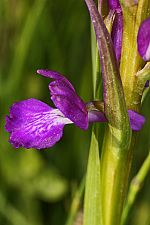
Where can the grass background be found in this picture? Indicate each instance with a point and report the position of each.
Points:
(37, 187)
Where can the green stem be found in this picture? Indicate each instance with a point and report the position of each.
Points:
(76, 203)
(133, 16)
(116, 158)
(115, 166)
(22, 47)
(135, 187)
(96, 75)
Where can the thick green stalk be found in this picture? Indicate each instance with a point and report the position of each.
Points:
(114, 162)
(115, 170)
(131, 62)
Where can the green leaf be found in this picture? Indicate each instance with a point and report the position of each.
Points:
(135, 186)
(141, 77)
(77, 199)
(92, 202)
(97, 76)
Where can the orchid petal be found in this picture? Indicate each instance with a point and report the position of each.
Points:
(114, 4)
(96, 116)
(66, 99)
(54, 75)
(147, 84)
(143, 40)
(116, 34)
(136, 120)
(33, 124)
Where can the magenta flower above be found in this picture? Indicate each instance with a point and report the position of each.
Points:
(34, 124)
(143, 40)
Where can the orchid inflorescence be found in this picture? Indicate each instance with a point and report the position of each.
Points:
(34, 124)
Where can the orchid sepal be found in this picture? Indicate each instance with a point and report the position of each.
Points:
(96, 114)
(113, 91)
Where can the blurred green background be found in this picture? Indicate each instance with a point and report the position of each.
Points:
(37, 187)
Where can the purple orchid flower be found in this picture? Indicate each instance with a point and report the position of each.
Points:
(34, 124)
(143, 40)
(117, 28)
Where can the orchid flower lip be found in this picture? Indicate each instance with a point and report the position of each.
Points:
(34, 124)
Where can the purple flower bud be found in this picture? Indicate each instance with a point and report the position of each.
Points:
(147, 84)
(117, 28)
(143, 40)
(114, 4)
